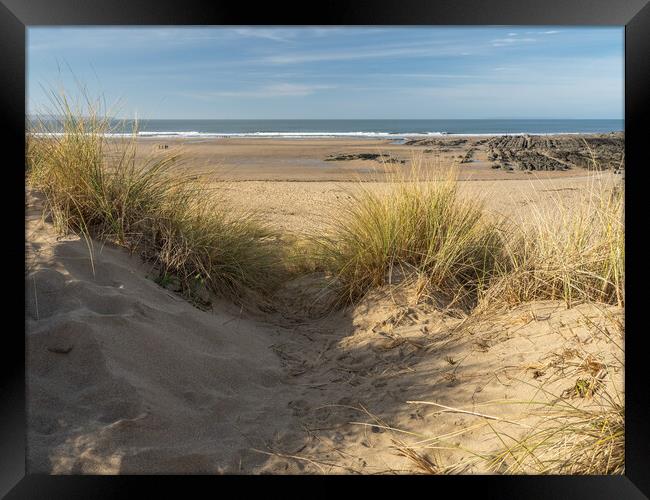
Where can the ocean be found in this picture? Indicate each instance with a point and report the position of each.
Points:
(360, 128)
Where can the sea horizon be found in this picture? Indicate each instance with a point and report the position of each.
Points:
(351, 128)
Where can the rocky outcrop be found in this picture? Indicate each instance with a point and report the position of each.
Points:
(436, 142)
(365, 156)
(535, 152)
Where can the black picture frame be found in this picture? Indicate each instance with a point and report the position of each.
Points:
(17, 15)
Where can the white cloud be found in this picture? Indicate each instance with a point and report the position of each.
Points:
(441, 49)
(268, 34)
(503, 42)
(274, 90)
(429, 75)
(550, 32)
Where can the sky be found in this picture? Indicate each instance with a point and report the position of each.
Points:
(514, 72)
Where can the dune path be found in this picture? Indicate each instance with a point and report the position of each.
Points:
(125, 376)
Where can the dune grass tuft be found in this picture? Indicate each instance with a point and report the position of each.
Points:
(413, 231)
(95, 185)
(571, 250)
(569, 439)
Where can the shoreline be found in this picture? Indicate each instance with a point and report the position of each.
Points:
(372, 159)
(354, 159)
(182, 135)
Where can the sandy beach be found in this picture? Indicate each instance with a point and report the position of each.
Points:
(251, 159)
(126, 376)
(289, 181)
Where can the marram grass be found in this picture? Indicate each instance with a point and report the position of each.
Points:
(97, 187)
(428, 232)
(413, 231)
(570, 251)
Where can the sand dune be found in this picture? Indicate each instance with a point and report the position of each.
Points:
(125, 376)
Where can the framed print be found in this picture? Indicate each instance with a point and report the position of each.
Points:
(383, 241)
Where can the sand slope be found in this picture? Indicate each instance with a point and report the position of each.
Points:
(126, 377)
(367, 365)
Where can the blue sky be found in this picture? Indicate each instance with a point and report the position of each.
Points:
(337, 73)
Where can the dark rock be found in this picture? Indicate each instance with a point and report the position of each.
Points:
(364, 156)
(561, 152)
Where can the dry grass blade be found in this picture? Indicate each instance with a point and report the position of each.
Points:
(467, 412)
(589, 440)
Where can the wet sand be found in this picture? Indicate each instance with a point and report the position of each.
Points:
(305, 159)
